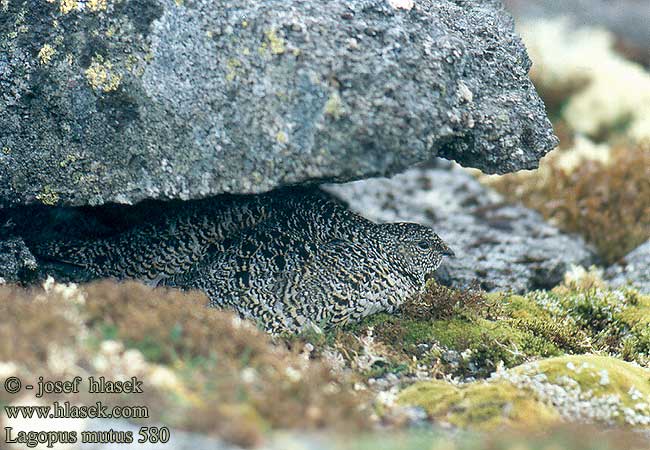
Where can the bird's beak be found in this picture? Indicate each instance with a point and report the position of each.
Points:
(446, 251)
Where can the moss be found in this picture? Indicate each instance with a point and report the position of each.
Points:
(26, 333)
(615, 321)
(491, 342)
(609, 390)
(541, 394)
(589, 371)
(445, 332)
(207, 370)
(482, 330)
(440, 302)
(173, 328)
(608, 203)
(635, 344)
(483, 406)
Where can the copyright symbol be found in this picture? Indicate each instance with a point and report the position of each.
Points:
(13, 385)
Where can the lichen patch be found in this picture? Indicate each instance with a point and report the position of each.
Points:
(45, 54)
(67, 6)
(101, 75)
(274, 43)
(48, 196)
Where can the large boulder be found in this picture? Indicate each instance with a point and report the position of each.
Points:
(106, 101)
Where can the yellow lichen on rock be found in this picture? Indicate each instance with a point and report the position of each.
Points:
(233, 67)
(275, 43)
(96, 5)
(100, 75)
(281, 137)
(48, 196)
(45, 54)
(68, 5)
(334, 106)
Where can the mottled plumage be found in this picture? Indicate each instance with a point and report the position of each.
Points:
(287, 260)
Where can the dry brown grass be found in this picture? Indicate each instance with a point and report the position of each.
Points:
(440, 302)
(609, 204)
(209, 351)
(31, 321)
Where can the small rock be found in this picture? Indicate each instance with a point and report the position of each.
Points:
(633, 270)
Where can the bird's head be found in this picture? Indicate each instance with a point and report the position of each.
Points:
(418, 247)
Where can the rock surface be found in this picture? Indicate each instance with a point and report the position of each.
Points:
(634, 270)
(503, 247)
(122, 101)
(17, 264)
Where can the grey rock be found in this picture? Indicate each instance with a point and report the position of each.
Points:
(17, 264)
(165, 99)
(633, 270)
(628, 19)
(500, 246)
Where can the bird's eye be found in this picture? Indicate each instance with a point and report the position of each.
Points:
(424, 245)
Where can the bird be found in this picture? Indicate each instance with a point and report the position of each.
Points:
(289, 282)
(169, 242)
(288, 260)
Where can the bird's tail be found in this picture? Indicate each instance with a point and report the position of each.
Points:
(72, 259)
